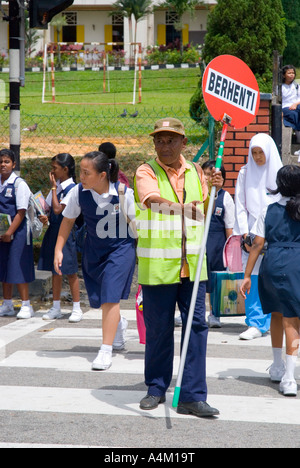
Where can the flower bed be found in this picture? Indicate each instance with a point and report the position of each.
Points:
(73, 56)
(171, 54)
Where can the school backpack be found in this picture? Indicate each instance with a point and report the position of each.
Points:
(232, 254)
(34, 225)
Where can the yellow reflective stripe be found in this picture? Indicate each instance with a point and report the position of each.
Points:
(193, 223)
(159, 225)
(193, 249)
(159, 253)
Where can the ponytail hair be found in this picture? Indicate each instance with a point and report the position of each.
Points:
(66, 160)
(103, 164)
(293, 207)
(288, 185)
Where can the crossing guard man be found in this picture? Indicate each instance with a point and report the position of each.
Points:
(170, 193)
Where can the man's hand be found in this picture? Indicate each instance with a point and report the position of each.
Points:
(192, 211)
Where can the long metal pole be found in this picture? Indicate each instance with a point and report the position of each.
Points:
(14, 80)
(198, 273)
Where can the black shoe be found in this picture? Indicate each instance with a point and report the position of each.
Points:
(151, 402)
(198, 408)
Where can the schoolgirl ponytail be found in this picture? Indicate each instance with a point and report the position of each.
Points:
(113, 170)
(66, 160)
(293, 207)
(288, 185)
(103, 164)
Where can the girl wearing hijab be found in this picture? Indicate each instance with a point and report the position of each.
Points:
(252, 195)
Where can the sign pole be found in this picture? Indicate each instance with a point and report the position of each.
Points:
(14, 79)
(231, 95)
(226, 121)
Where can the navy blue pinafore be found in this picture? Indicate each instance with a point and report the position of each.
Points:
(109, 258)
(16, 257)
(279, 274)
(216, 239)
(69, 264)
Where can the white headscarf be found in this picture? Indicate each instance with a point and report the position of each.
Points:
(259, 179)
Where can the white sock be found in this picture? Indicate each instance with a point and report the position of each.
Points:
(8, 302)
(56, 305)
(25, 303)
(76, 306)
(290, 367)
(106, 348)
(277, 356)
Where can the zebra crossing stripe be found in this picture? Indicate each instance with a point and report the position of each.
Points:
(132, 363)
(126, 403)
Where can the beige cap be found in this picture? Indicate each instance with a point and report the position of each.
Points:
(168, 125)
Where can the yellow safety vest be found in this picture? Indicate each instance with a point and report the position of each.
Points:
(160, 236)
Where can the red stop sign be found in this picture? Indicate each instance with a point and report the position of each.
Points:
(230, 87)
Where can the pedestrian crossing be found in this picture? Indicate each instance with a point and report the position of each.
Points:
(65, 349)
(125, 403)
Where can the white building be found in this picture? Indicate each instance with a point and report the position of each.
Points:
(91, 21)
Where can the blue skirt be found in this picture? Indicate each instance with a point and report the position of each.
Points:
(16, 259)
(278, 282)
(69, 264)
(108, 276)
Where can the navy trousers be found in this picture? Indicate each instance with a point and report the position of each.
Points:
(159, 310)
(291, 118)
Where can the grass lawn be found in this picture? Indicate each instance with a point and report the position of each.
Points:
(160, 88)
(81, 128)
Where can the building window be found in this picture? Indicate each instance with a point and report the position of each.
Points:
(71, 18)
(118, 30)
(172, 34)
(171, 18)
(69, 31)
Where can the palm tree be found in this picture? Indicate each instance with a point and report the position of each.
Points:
(141, 9)
(180, 7)
(124, 8)
(31, 37)
(132, 8)
(59, 22)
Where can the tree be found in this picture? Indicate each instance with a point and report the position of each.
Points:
(132, 8)
(248, 29)
(181, 7)
(141, 8)
(59, 22)
(291, 54)
(31, 37)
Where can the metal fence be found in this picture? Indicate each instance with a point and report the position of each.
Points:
(78, 133)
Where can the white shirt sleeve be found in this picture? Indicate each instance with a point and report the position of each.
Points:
(229, 217)
(22, 196)
(258, 229)
(72, 209)
(241, 214)
(129, 204)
